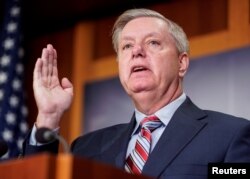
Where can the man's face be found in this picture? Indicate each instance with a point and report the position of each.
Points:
(147, 56)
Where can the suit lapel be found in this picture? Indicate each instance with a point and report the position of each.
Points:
(183, 127)
(116, 153)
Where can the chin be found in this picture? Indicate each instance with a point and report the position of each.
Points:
(140, 88)
(141, 85)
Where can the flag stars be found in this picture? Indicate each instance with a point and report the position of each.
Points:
(3, 77)
(23, 127)
(15, 11)
(1, 94)
(14, 101)
(11, 118)
(5, 60)
(7, 135)
(20, 143)
(20, 52)
(19, 68)
(16, 84)
(24, 111)
(13, 112)
(8, 44)
(11, 27)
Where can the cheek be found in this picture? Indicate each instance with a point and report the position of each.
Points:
(166, 69)
(123, 76)
(123, 71)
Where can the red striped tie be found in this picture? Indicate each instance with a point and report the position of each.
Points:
(139, 155)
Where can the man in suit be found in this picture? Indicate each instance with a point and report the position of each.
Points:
(168, 136)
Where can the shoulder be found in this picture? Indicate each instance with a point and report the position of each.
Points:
(92, 140)
(219, 117)
(217, 122)
(225, 124)
(111, 131)
(115, 129)
(213, 117)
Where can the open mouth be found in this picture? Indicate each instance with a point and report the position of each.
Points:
(138, 69)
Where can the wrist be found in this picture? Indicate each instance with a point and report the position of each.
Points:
(47, 120)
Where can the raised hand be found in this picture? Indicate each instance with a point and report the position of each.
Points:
(52, 97)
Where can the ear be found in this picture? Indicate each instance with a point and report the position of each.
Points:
(184, 63)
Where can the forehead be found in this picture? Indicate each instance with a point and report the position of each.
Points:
(144, 25)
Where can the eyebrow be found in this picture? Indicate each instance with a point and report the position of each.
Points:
(151, 34)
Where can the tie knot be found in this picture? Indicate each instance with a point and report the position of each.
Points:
(151, 123)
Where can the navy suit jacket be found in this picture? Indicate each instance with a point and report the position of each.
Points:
(192, 139)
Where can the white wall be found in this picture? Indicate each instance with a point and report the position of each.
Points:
(221, 82)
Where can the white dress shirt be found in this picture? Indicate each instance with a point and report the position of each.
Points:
(164, 114)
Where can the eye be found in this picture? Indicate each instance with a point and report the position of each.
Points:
(154, 43)
(126, 46)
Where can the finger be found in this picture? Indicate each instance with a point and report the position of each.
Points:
(50, 61)
(55, 69)
(44, 58)
(37, 70)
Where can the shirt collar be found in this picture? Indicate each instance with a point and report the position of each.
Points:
(164, 114)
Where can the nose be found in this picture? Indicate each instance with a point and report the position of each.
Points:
(138, 51)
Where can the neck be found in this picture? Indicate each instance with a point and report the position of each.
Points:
(150, 102)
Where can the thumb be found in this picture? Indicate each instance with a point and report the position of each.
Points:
(67, 86)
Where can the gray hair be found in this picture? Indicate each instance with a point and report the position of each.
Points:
(174, 29)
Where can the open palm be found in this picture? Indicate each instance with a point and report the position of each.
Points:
(52, 97)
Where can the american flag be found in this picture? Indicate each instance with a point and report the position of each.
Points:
(13, 112)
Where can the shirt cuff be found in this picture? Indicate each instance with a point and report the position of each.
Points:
(33, 141)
